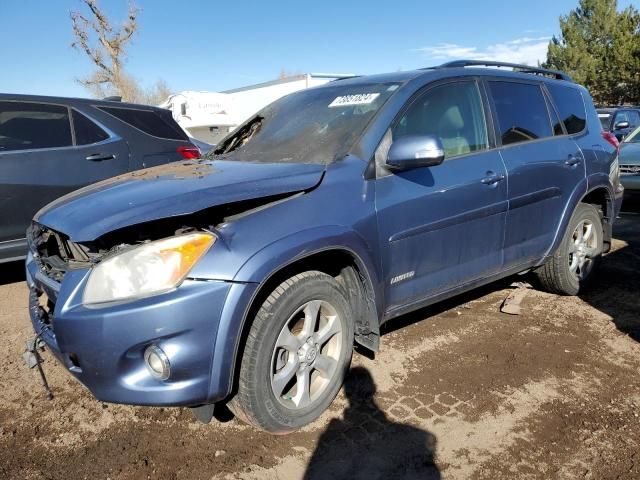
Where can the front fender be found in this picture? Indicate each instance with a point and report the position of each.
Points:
(258, 269)
(301, 244)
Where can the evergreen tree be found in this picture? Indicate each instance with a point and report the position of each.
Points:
(600, 47)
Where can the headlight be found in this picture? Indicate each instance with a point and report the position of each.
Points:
(148, 269)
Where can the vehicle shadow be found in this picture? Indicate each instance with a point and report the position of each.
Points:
(615, 289)
(12, 272)
(366, 444)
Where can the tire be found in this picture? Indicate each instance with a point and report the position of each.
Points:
(301, 335)
(563, 273)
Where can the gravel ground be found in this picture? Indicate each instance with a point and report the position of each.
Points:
(458, 390)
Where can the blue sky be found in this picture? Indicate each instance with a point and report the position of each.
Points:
(216, 45)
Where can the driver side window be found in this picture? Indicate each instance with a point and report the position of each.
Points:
(453, 112)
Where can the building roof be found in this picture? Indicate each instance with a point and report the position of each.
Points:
(293, 78)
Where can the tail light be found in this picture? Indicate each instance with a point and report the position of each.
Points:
(614, 170)
(189, 151)
(611, 138)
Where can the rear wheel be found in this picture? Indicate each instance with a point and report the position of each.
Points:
(297, 352)
(573, 263)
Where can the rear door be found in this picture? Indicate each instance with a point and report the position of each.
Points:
(47, 150)
(544, 167)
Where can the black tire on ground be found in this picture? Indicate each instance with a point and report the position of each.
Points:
(256, 402)
(555, 274)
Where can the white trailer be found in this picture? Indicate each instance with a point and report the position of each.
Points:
(210, 116)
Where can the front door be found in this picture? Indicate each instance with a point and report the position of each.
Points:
(443, 226)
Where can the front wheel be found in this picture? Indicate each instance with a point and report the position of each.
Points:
(573, 263)
(296, 355)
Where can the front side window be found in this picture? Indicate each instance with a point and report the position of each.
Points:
(570, 105)
(634, 118)
(26, 126)
(521, 110)
(453, 112)
(631, 116)
(621, 117)
(86, 131)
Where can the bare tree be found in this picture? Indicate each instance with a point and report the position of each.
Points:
(288, 73)
(106, 46)
(157, 93)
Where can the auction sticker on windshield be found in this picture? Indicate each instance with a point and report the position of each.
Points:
(356, 99)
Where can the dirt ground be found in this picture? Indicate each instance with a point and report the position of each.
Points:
(457, 391)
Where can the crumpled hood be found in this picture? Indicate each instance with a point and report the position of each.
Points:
(630, 153)
(170, 190)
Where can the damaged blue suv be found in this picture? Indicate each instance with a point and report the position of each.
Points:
(245, 278)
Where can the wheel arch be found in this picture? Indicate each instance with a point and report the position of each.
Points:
(602, 198)
(349, 260)
(339, 262)
(594, 193)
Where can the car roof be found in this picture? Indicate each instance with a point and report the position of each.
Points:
(436, 73)
(72, 101)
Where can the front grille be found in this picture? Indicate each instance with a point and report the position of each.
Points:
(42, 307)
(630, 169)
(54, 253)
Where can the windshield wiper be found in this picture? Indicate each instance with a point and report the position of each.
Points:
(241, 137)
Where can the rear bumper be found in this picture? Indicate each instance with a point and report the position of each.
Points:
(104, 347)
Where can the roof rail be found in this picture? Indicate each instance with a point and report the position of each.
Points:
(345, 77)
(521, 68)
(113, 98)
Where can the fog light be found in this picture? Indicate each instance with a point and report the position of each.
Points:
(157, 362)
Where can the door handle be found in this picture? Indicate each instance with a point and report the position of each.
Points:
(573, 160)
(98, 157)
(492, 178)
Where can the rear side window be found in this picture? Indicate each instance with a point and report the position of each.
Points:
(25, 126)
(148, 121)
(522, 112)
(570, 106)
(87, 132)
(453, 112)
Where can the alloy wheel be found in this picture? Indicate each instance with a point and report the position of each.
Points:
(583, 249)
(306, 354)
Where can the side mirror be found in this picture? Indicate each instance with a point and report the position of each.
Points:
(415, 151)
(621, 125)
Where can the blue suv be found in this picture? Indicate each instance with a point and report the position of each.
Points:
(246, 277)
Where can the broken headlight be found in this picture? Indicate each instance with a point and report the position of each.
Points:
(149, 269)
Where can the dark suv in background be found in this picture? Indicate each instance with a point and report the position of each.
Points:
(620, 121)
(51, 146)
(245, 277)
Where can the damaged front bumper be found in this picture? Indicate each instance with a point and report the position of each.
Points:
(104, 347)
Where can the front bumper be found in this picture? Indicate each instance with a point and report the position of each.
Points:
(630, 182)
(104, 347)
